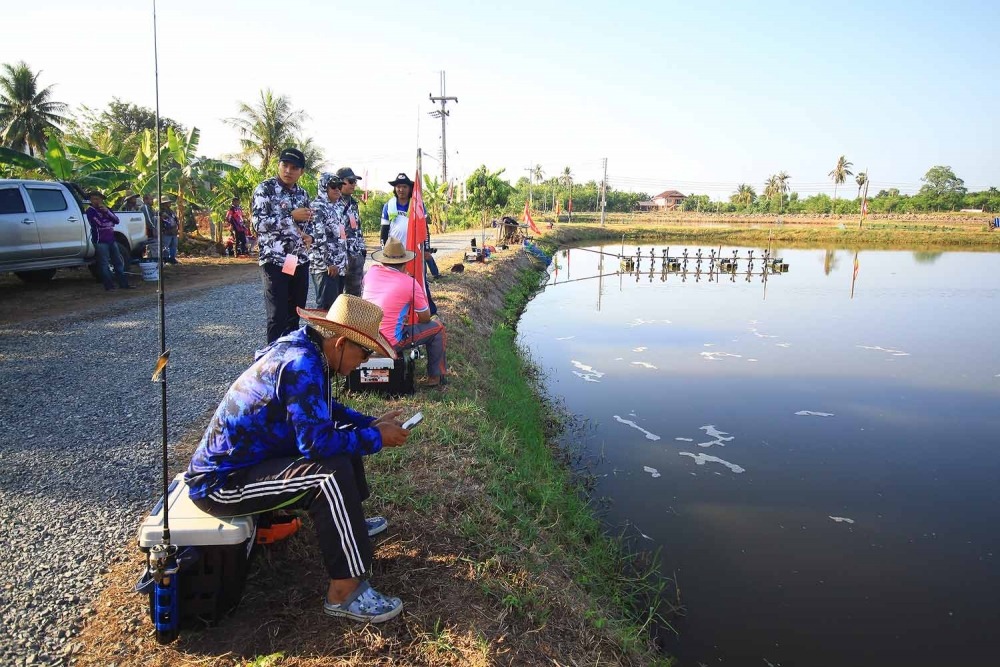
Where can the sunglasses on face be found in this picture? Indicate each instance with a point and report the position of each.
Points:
(367, 353)
(334, 186)
(352, 181)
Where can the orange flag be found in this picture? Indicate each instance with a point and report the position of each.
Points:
(528, 219)
(416, 233)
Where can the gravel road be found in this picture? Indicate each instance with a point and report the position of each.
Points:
(80, 446)
(80, 443)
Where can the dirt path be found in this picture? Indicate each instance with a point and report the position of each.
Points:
(75, 293)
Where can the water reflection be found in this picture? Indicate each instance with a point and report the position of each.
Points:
(814, 449)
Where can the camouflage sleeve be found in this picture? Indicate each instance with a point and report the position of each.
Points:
(318, 433)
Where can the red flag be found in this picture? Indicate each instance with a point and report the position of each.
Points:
(570, 206)
(527, 219)
(558, 206)
(856, 267)
(416, 233)
(864, 208)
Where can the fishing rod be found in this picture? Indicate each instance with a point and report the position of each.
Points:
(163, 566)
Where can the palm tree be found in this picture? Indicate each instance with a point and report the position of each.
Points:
(839, 175)
(266, 127)
(744, 195)
(27, 114)
(861, 179)
(315, 158)
(567, 179)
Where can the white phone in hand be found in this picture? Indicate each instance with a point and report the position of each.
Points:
(413, 421)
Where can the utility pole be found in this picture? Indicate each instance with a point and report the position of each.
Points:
(604, 192)
(531, 178)
(443, 115)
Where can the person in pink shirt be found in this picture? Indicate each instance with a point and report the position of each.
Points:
(388, 286)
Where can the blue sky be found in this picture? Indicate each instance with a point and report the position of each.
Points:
(676, 95)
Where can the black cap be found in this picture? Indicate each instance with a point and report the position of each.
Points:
(293, 156)
(401, 179)
(347, 174)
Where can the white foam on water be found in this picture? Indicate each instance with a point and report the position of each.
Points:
(783, 344)
(566, 338)
(684, 439)
(641, 348)
(619, 358)
(649, 436)
(639, 322)
(709, 345)
(758, 334)
(810, 413)
(879, 348)
(702, 459)
(751, 360)
(718, 437)
(717, 356)
(590, 374)
(842, 519)
(652, 471)
(644, 364)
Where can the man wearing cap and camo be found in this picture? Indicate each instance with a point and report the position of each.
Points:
(280, 439)
(281, 215)
(356, 250)
(328, 254)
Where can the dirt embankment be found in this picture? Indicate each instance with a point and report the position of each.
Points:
(474, 594)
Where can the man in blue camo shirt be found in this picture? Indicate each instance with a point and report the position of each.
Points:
(279, 439)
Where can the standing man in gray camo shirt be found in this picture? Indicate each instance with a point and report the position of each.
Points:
(356, 250)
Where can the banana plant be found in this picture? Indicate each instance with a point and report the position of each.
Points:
(84, 166)
(435, 199)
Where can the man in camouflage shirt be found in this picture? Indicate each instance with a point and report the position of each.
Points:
(281, 214)
(356, 250)
(328, 255)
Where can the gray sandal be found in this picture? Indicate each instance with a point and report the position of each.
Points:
(365, 604)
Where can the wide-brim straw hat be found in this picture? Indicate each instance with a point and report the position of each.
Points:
(353, 317)
(393, 253)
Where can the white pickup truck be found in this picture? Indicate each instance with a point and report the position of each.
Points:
(43, 228)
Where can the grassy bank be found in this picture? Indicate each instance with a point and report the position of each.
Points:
(491, 546)
(909, 235)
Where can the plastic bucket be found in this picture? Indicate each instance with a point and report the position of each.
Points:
(150, 271)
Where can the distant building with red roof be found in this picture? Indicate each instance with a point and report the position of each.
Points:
(668, 200)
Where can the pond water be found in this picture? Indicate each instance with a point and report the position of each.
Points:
(821, 469)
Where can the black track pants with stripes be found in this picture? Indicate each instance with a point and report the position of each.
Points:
(331, 489)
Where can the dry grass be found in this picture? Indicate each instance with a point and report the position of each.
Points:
(474, 594)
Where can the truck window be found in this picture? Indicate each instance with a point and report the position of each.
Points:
(11, 202)
(46, 199)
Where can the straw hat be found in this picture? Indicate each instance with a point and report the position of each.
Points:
(393, 253)
(353, 317)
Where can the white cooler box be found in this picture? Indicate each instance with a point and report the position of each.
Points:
(213, 553)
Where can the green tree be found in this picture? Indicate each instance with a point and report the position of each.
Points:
(27, 115)
(118, 128)
(266, 127)
(942, 189)
(487, 192)
(744, 195)
(839, 175)
(188, 176)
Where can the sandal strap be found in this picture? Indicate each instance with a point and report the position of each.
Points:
(358, 592)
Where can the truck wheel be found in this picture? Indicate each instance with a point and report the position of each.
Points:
(39, 276)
